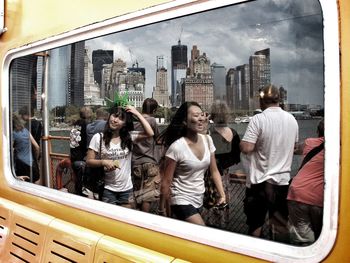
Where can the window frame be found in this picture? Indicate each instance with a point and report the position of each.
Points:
(233, 242)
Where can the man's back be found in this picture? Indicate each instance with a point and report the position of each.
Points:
(274, 133)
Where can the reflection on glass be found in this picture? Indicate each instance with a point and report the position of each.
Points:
(223, 55)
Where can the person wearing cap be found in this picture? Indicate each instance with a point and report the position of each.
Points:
(268, 147)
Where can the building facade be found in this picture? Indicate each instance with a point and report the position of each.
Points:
(76, 80)
(260, 74)
(99, 58)
(198, 85)
(178, 72)
(91, 87)
(218, 73)
(160, 91)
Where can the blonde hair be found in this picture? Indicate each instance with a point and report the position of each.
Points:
(219, 113)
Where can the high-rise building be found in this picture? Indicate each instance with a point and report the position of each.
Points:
(178, 72)
(243, 87)
(125, 80)
(39, 80)
(198, 85)
(260, 74)
(99, 58)
(106, 81)
(91, 88)
(231, 90)
(59, 76)
(283, 98)
(23, 82)
(218, 73)
(160, 91)
(76, 84)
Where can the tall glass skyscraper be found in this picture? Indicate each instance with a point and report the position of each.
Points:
(178, 71)
(218, 73)
(100, 57)
(59, 77)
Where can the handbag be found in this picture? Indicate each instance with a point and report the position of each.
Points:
(95, 177)
(211, 193)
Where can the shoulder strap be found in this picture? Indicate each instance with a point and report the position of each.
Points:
(311, 154)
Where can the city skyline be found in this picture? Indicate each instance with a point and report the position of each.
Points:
(289, 30)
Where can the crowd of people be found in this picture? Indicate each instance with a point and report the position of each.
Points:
(143, 166)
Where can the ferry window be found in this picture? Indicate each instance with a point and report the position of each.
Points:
(221, 59)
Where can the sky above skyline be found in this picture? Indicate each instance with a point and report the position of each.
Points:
(292, 29)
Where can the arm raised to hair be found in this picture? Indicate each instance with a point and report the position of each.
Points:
(146, 126)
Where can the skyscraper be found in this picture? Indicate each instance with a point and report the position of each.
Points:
(178, 71)
(243, 87)
(231, 90)
(23, 82)
(125, 80)
(218, 73)
(76, 84)
(59, 76)
(260, 74)
(92, 95)
(198, 85)
(160, 92)
(100, 57)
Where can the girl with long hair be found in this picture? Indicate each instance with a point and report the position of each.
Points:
(189, 155)
(117, 140)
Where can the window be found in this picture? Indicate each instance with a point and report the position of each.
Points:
(218, 53)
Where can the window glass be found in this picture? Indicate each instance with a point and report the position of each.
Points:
(221, 59)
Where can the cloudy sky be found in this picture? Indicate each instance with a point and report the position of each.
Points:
(292, 29)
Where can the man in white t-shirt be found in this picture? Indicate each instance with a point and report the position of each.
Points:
(268, 144)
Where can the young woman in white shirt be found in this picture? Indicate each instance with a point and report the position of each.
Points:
(116, 150)
(189, 155)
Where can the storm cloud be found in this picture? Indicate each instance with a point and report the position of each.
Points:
(292, 29)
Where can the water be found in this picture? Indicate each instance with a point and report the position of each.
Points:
(307, 128)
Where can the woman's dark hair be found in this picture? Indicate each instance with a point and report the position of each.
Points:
(149, 106)
(177, 127)
(124, 131)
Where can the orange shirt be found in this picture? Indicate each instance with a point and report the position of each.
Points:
(308, 185)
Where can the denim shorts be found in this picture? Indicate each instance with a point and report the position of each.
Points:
(117, 198)
(183, 212)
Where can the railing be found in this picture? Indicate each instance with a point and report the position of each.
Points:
(62, 176)
(232, 219)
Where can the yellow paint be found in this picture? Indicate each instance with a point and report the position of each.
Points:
(30, 21)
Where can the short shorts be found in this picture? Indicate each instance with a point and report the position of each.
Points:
(183, 212)
(117, 198)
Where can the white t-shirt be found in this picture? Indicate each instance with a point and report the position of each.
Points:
(187, 186)
(274, 132)
(118, 180)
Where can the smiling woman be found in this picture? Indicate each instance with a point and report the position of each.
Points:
(187, 56)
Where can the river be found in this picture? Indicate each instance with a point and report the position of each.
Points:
(307, 128)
